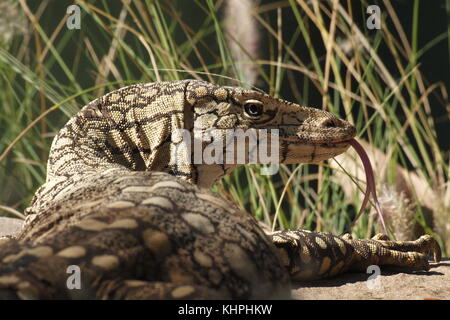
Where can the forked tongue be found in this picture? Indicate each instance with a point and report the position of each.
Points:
(370, 182)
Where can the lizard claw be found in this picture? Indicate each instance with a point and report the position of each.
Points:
(429, 244)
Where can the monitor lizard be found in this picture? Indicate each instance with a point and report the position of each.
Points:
(139, 225)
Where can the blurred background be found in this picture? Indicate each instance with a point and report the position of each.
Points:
(392, 82)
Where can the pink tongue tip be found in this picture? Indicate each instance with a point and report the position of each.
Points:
(370, 181)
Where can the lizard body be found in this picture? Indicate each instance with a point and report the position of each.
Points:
(140, 224)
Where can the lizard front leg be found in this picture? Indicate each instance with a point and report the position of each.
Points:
(311, 255)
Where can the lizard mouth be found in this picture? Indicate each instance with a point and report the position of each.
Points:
(327, 145)
(301, 152)
(314, 139)
(339, 144)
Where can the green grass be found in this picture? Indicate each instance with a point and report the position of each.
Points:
(48, 72)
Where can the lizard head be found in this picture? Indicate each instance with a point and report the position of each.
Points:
(143, 126)
(305, 135)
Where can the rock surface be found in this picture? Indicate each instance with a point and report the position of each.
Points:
(424, 285)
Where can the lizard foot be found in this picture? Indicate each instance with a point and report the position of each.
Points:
(312, 255)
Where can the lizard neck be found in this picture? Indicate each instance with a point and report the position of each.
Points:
(130, 127)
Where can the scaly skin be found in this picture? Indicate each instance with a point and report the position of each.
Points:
(140, 224)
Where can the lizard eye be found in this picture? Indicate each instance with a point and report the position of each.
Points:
(253, 109)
